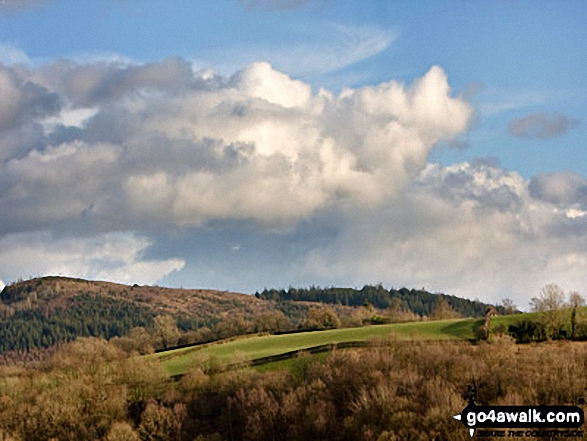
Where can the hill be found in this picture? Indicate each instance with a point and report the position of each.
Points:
(42, 312)
(53, 292)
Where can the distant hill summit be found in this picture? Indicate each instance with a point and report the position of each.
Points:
(56, 291)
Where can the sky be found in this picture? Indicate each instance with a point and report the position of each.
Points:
(249, 144)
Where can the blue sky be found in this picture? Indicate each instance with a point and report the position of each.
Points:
(478, 153)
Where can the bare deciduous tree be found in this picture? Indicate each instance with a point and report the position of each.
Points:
(550, 305)
(508, 306)
(576, 300)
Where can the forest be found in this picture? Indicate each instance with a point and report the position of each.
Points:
(84, 315)
(420, 302)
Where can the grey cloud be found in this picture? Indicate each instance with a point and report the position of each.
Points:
(16, 142)
(172, 75)
(562, 188)
(21, 102)
(541, 125)
(54, 186)
(179, 157)
(489, 186)
(102, 82)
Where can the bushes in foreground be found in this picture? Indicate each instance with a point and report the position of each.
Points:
(92, 390)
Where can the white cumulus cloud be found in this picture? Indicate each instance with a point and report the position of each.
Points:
(162, 146)
(472, 230)
(115, 257)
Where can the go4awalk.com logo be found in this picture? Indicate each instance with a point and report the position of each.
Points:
(521, 417)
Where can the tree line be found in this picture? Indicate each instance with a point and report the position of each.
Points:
(556, 315)
(420, 302)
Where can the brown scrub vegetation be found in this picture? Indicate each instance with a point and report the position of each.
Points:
(402, 391)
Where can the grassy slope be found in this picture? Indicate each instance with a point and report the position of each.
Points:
(507, 320)
(179, 361)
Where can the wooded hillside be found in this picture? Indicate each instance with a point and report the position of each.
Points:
(42, 312)
(419, 302)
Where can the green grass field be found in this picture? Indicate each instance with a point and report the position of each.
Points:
(249, 348)
(179, 361)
